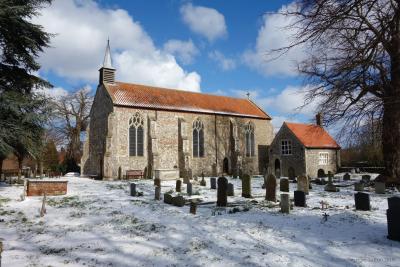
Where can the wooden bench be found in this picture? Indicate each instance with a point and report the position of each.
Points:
(134, 174)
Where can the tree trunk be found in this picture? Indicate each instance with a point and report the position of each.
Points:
(1, 169)
(19, 169)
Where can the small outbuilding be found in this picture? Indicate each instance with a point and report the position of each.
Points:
(304, 149)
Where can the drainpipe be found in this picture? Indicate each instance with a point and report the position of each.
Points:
(215, 142)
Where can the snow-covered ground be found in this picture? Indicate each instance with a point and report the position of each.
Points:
(98, 224)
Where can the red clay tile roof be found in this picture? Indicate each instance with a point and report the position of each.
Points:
(143, 96)
(312, 136)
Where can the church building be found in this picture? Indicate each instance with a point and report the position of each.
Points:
(170, 133)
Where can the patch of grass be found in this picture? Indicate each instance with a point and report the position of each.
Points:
(4, 200)
(68, 202)
(117, 186)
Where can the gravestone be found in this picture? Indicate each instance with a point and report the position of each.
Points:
(299, 198)
(203, 182)
(346, 177)
(359, 187)
(270, 188)
(167, 198)
(157, 193)
(302, 184)
(246, 186)
(189, 188)
(193, 207)
(285, 203)
(222, 199)
(213, 183)
(330, 187)
(284, 185)
(393, 218)
(132, 189)
(366, 178)
(380, 187)
(178, 201)
(157, 182)
(362, 201)
(178, 185)
(231, 191)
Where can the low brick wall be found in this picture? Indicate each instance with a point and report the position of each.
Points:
(51, 188)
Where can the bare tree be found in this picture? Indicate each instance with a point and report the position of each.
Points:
(72, 117)
(353, 64)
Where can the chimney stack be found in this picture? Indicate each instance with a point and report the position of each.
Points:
(318, 119)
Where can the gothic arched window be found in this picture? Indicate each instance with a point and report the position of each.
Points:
(198, 138)
(250, 145)
(136, 135)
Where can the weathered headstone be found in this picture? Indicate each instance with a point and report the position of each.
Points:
(178, 186)
(157, 193)
(222, 199)
(346, 177)
(231, 190)
(157, 182)
(270, 188)
(393, 218)
(284, 185)
(178, 201)
(380, 187)
(246, 186)
(189, 188)
(362, 201)
(302, 184)
(366, 178)
(330, 187)
(359, 187)
(167, 198)
(132, 189)
(299, 198)
(213, 183)
(193, 207)
(285, 203)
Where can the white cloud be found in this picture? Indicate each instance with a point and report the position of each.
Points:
(54, 93)
(82, 28)
(288, 102)
(275, 34)
(223, 62)
(185, 51)
(205, 21)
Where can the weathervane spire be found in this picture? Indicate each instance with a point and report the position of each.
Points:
(107, 63)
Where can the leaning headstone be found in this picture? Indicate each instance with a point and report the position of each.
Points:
(302, 184)
(362, 201)
(178, 185)
(133, 189)
(178, 201)
(299, 198)
(285, 203)
(366, 178)
(157, 182)
(284, 185)
(222, 199)
(193, 207)
(359, 187)
(346, 177)
(167, 198)
(231, 190)
(246, 186)
(270, 188)
(157, 193)
(393, 218)
(189, 188)
(213, 183)
(380, 187)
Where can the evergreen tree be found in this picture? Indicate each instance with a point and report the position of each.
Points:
(22, 112)
(50, 156)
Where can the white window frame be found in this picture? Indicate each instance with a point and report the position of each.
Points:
(286, 147)
(323, 158)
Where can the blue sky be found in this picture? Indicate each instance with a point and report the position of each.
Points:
(214, 47)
